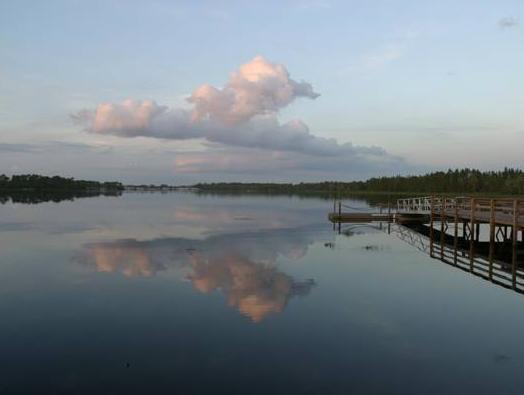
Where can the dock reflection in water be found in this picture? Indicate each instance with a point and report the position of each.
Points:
(438, 244)
(241, 266)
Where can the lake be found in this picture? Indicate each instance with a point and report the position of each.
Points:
(186, 293)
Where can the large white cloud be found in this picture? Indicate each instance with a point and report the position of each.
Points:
(258, 87)
(243, 113)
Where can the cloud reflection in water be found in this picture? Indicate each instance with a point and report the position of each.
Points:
(241, 266)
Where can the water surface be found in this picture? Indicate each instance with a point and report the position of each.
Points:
(180, 293)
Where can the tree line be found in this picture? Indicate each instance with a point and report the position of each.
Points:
(509, 181)
(32, 189)
(34, 182)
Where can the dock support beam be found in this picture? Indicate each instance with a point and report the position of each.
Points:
(442, 226)
(339, 215)
(514, 237)
(472, 235)
(455, 238)
(431, 224)
(491, 237)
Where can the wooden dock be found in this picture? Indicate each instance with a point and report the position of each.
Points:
(499, 212)
(360, 217)
(492, 229)
(356, 215)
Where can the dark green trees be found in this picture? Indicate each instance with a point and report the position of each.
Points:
(460, 181)
(32, 188)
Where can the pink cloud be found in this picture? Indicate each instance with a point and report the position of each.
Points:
(242, 113)
(258, 87)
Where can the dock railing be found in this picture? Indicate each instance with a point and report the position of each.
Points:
(423, 204)
(480, 208)
(417, 204)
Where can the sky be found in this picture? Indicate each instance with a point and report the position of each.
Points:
(180, 92)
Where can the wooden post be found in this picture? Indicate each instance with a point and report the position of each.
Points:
(442, 228)
(334, 213)
(491, 237)
(431, 222)
(389, 211)
(472, 234)
(339, 215)
(455, 238)
(514, 241)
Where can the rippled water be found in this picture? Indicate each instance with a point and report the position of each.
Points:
(180, 293)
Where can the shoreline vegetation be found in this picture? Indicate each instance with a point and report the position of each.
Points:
(461, 181)
(33, 188)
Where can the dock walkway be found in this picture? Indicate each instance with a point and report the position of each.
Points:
(501, 211)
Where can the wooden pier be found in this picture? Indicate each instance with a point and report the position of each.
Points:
(503, 212)
(458, 230)
(356, 216)
(359, 217)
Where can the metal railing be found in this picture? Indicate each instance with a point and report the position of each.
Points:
(424, 204)
(417, 204)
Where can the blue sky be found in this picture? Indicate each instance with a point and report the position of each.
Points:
(434, 84)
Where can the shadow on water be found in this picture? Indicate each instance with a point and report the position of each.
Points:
(35, 197)
(370, 199)
(56, 196)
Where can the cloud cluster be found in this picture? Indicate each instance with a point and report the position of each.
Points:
(258, 87)
(507, 22)
(49, 146)
(275, 165)
(243, 113)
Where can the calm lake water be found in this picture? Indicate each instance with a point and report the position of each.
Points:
(180, 293)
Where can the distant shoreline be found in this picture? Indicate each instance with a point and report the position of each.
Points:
(471, 182)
